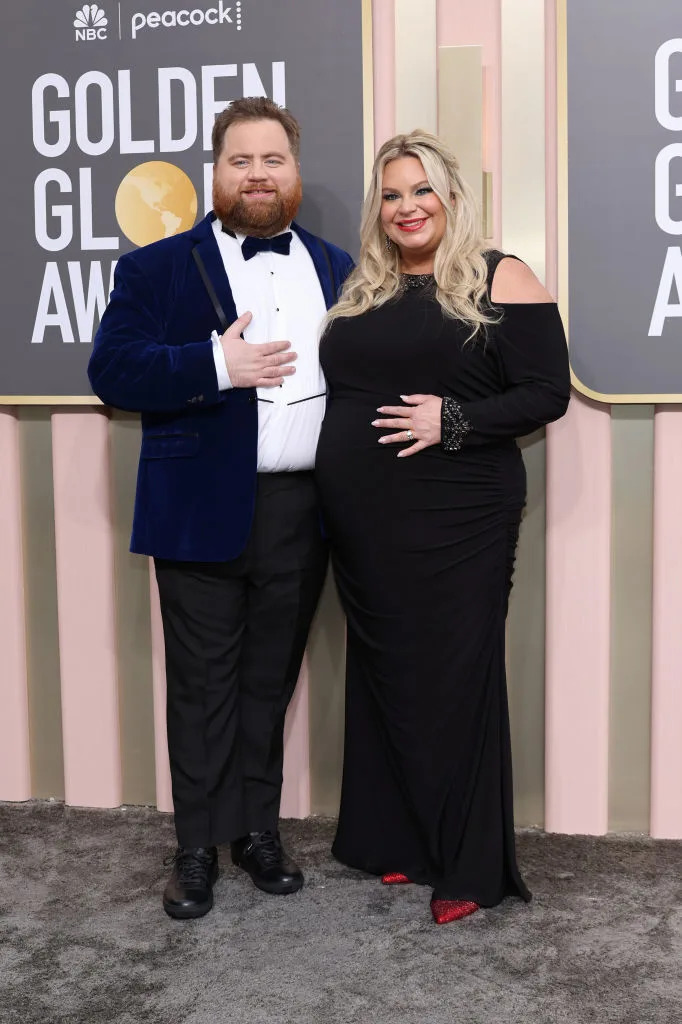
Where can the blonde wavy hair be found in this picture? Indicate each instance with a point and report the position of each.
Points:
(460, 269)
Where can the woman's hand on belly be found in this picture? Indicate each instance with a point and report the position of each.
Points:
(417, 421)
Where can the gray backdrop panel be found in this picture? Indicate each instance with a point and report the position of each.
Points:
(616, 249)
(321, 45)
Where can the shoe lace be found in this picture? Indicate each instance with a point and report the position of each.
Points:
(267, 847)
(192, 865)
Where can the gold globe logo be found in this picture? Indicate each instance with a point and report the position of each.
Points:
(155, 200)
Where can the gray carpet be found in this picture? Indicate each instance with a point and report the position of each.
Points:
(83, 938)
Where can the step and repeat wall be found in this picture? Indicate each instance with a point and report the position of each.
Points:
(569, 118)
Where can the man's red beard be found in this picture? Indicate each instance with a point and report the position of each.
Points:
(262, 218)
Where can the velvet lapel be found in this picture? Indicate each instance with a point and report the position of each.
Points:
(321, 261)
(207, 247)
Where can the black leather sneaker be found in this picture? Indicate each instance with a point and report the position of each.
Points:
(262, 856)
(189, 892)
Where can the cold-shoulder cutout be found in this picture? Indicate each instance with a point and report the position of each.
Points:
(512, 282)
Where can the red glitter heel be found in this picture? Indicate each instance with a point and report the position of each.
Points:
(395, 878)
(445, 911)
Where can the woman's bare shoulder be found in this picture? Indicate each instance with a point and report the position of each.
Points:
(514, 281)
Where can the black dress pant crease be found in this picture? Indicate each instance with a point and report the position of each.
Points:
(235, 633)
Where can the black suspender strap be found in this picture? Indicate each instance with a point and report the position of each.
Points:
(208, 285)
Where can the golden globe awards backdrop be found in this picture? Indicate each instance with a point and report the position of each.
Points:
(107, 113)
(624, 123)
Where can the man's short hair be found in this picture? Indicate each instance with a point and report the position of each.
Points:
(255, 108)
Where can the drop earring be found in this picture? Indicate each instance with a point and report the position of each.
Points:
(389, 243)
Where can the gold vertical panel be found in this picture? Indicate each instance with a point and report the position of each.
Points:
(326, 673)
(632, 438)
(416, 91)
(523, 131)
(133, 623)
(460, 110)
(40, 589)
(526, 644)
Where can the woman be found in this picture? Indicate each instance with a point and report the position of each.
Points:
(442, 355)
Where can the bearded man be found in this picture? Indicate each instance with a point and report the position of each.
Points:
(213, 335)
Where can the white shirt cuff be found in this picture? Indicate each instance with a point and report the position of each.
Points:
(224, 382)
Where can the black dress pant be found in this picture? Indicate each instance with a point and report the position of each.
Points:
(235, 633)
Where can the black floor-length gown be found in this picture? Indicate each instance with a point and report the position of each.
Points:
(423, 551)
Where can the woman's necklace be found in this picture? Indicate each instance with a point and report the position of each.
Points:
(416, 280)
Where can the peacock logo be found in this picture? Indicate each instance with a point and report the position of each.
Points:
(90, 23)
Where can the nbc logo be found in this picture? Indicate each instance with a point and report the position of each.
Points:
(90, 23)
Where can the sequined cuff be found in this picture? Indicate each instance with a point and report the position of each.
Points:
(453, 426)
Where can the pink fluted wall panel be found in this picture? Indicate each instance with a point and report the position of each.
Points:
(666, 734)
(164, 798)
(578, 625)
(15, 774)
(296, 785)
(85, 595)
(578, 551)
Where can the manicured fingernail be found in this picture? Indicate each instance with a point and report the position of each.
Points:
(403, 398)
(381, 409)
(382, 440)
(374, 422)
(400, 455)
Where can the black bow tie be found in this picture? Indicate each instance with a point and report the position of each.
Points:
(279, 243)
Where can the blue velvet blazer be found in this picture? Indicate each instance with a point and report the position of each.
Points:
(153, 354)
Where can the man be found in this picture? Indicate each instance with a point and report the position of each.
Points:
(225, 498)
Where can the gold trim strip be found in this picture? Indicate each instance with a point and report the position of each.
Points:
(49, 400)
(599, 396)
